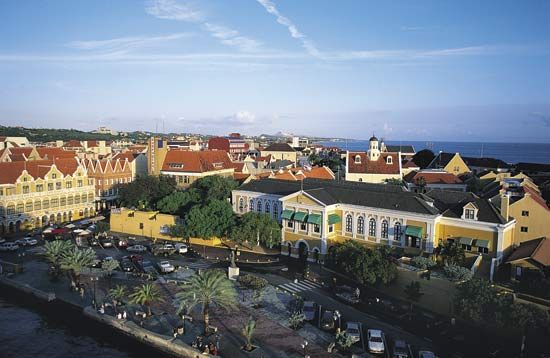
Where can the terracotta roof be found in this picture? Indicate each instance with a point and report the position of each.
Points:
(196, 162)
(54, 152)
(91, 143)
(73, 144)
(279, 147)
(10, 171)
(373, 167)
(410, 164)
(536, 197)
(26, 151)
(432, 177)
(125, 156)
(238, 167)
(537, 250)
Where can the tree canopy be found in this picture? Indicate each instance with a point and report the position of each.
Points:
(146, 191)
(215, 187)
(423, 158)
(214, 218)
(179, 202)
(255, 227)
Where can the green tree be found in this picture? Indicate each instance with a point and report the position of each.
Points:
(344, 341)
(117, 294)
(75, 260)
(452, 253)
(179, 202)
(248, 333)
(145, 191)
(296, 320)
(102, 226)
(178, 231)
(255, 227)
(423, 158)
(210, 287)
(216, 218)
(108, 267)
(146, 295)
(215, 187)
(54, 252)
(412, 291)
(394, 181)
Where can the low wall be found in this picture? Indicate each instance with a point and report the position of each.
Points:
(25, 288)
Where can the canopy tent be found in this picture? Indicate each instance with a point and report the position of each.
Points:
(287, 214)
(334, 219)
(466, 241)
(97, 218)
(415, 231)
(483, 243)
(70, 226)
(314, 219)
(300, 216)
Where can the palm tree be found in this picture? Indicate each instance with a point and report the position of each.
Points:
(207, 288)
(108, 267)
(146, 295)
(75, 261)
(248, 332)
(54, 252)
(117, 294)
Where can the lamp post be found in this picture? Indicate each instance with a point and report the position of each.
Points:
(94, 279)
(304, 347)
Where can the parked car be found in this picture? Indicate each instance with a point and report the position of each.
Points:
(165, 267)
(375, 341)
(126, 264)
(163, 249)
(347, 294)
(309, 310)
(27, 241)
(121, 243)
(9, 246)
(92, 241)
(353, 330)
(181, 248)
(148, 269)
(426, 354)
(106, 242)
(137, 248)
(329, 320)
(400, 349)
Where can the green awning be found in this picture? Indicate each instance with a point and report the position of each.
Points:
(334, 219)
(300, 216)
(483, 243)
(466, 241)
(414, 231)
(287, 214)
(314, 219)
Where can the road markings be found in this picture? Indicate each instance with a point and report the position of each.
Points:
(300, 286)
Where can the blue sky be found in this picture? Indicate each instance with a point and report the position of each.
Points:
(405, 70)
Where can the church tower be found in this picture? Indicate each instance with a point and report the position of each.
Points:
(374, 150)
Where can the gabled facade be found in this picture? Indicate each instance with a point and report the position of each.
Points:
(108, 174)
(373, 166)
(35, 193)
(449, 162)
(280, 151)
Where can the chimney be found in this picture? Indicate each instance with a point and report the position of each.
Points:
(505, 206)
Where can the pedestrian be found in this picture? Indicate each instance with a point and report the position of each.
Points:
(82, 292)
(124, 315)
(102, 309)
(119, 316)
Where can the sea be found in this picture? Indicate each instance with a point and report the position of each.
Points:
(509, 152)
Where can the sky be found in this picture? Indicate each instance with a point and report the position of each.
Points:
(403, 70)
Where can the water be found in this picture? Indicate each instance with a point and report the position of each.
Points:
(509, 152)
(29, 332)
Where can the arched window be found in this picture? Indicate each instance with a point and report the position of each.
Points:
(372, 227)
(349, 223)
(385, 228)
(241, 205)
(357, 159)
(275, 210)
(251, 205)
(389, 160)
(361, 225)
(267, 208)
(259, 206)
(397, 231)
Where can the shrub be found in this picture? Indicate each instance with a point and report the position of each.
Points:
(457, 273)
(252, 282)
(422, 262)
(343, 341)
(412, 290)
(296, 320)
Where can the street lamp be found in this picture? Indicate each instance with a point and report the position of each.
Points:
(304, 347)
(94, 279)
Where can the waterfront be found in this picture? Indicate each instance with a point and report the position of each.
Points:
(509, 152)
(26, 331)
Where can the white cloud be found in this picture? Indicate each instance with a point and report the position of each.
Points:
(172, 10)
(294, 32)
(124, 44)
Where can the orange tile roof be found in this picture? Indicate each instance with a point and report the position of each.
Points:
(125, 156)
(10, 171)
(433, 177)
(196, 162)
(373, 167)
(302, 173)
(536, 197)
(54, 152)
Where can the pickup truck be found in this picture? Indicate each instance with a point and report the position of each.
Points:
(165, 267)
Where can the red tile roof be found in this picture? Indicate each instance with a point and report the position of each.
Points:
(536, 196)
(302, 173)
(432, 177)
(73, 144)
(537, 250)
(54, 152)
(10, 171)
(196, 162)
(379, 166)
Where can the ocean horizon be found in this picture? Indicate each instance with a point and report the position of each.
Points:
(509, 152)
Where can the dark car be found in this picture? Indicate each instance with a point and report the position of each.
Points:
(127, 265)
(400, 349)
(92, 241)
(309, 310)
(329, 320)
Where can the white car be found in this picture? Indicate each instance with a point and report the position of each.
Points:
(166, 267)
(181, 248)
(136, 248)
(375, 341)
(9, 246)
(353, 330)
(27, 241)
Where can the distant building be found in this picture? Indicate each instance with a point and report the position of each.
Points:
(280, 151)
(406, 150)
(13, 142)
(374, 166)
(298, 142)
(233, 144)
(157, 148)
(105, 130)
(138, 162)
(188, 166)
(450, 162)
(424, 180)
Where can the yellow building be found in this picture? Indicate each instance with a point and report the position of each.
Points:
(316, 215)
(150, 224)
(280, 151)
(156, 152)
(373, 166)
(451, 163)
(35, 193)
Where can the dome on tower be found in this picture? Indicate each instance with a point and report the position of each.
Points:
(373, 138)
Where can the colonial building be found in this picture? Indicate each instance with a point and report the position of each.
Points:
(13, 142)
(150, 224)
(449, 162)
(280, 151)
(374, 166)
(17, 154)
(233, 144)
(157, 148)
(188, 166)
(108, 174)
(317, 214)
(137, 161)
(35, 193)
(422, 180)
